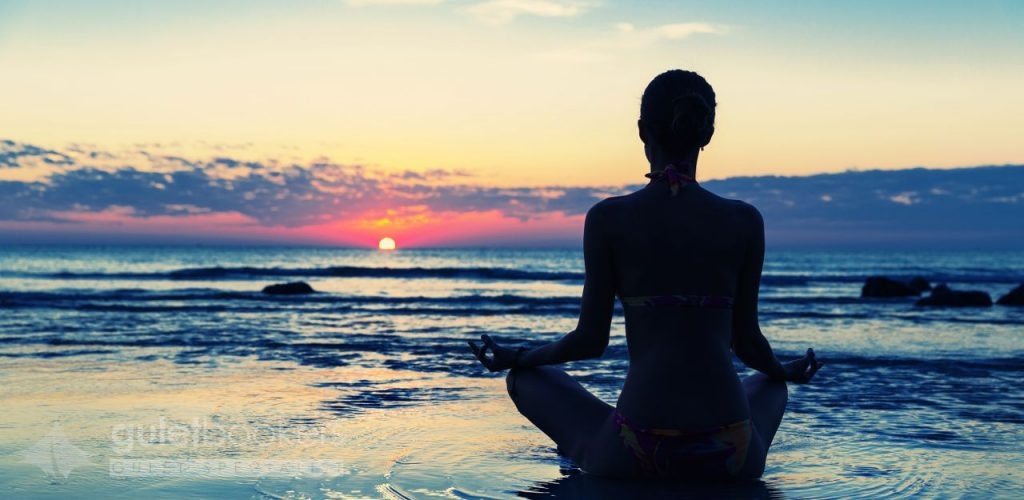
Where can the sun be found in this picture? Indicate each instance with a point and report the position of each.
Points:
(386, 244)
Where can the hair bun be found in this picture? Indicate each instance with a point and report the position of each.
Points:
(693, 120)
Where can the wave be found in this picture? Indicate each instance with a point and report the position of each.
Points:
(258, 273)
(206, 294)
(207, 300)
(10, 298)
(460, 273)
(210, 300)
(783, 280)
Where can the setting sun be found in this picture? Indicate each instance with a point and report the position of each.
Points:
(386, 244)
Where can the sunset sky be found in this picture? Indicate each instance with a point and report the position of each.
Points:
(446, 122)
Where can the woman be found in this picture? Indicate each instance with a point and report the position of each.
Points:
(686, 265)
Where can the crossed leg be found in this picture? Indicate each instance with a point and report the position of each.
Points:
(580, 424)
(767, 401)
(583, 426)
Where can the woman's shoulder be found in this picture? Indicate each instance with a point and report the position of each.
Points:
(738, 208)
(615, 209)
(602, 212)
(617, 205)
(610, 205)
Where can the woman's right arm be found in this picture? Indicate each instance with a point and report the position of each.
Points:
(748, 342)
(590, 338)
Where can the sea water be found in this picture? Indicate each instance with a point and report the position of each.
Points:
(165, 372)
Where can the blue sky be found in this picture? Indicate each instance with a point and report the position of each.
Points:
(513, 88)
(509, 94)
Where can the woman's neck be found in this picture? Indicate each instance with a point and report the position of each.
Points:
(686, 164)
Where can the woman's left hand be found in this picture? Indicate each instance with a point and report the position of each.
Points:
(802, 370)
(501, 358)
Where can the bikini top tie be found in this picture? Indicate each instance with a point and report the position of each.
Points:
(674, 177)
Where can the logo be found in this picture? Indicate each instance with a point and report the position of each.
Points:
(54, 454)
(57, 456)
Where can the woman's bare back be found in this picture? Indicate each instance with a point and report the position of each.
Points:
(693, 244)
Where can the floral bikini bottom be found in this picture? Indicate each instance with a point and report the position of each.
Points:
(717, 452)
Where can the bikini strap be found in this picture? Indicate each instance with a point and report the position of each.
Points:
(680, 300)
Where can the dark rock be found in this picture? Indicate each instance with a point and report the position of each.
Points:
(882, 287)
(920, 284)
(294, 288)
(1014, 298)
(943, 296)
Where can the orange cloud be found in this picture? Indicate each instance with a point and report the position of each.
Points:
(420, 227)
(146, 195)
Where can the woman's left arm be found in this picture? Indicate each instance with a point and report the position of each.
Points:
(590, 337)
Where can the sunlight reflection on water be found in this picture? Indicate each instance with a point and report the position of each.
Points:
(413, 435)
(374, 372)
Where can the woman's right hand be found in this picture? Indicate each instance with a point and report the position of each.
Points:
(802, 370)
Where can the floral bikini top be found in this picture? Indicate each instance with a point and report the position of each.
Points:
(679, 300)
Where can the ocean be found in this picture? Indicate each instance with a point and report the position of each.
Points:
(131, 371)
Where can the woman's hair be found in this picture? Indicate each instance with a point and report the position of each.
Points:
(677, 111)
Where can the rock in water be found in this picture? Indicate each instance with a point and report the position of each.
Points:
(294, 288)
(882, 287)
(920, 284)
(943, 296)
(1014, 298)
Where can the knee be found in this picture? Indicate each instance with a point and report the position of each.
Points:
(781, 396)
(779, 391)
(776, 385)
(762, 388)
(510, 382)
(518, 378)
(513, 381)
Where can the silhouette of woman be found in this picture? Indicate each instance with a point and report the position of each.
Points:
(686, 265)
